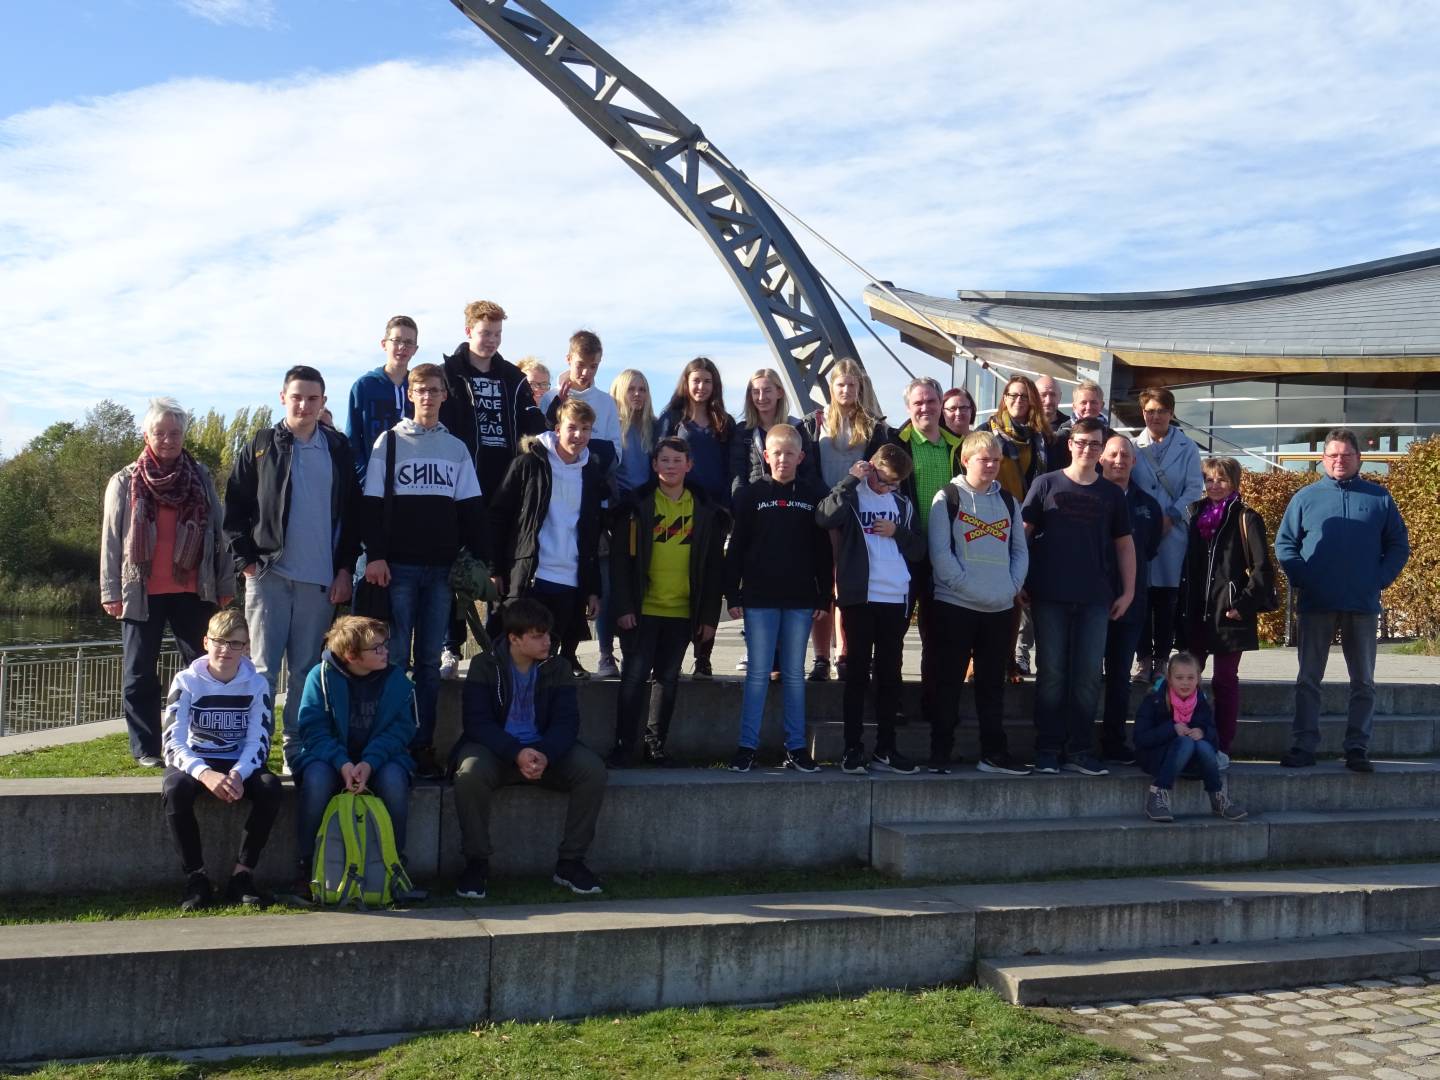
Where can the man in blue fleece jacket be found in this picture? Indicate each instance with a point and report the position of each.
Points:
(1341, 542)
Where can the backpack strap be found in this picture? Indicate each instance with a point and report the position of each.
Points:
(952, 505)
(389, 480)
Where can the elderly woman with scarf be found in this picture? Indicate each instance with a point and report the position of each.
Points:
(1227, 580)
(162, 560)
(1167, 468)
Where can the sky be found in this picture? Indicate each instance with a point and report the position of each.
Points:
(196, 194)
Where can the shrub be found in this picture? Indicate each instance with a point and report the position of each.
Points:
(1412, 601)
(1268, 494)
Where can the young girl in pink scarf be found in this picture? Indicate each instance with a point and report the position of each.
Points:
(1174, 736)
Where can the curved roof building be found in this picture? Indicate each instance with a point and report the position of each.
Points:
(1262, 367)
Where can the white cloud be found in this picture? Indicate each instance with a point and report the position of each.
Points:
(198, 237)
(256, 13)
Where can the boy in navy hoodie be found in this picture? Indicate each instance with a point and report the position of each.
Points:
(218, 724)
(778, 575)
(879, 538)
(357, 717)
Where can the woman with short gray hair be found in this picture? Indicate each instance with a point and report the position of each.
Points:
(162, 560)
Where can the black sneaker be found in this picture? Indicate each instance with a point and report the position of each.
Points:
(854, 761)
(427, 766)
(242, 890)
(577, 877)
(1357, 761)
(842, 668)
(702, 670)
(1047, 763)
(742, 761)
(619, 757)
(820, 670)
(198, 892)
(576, 670)
(1002, 763)
(1119, 755)
(893, 761)
(1085, 765)
(655, 755)
(799, 760)
(940, 766)
(1295, 758)
(473, 880)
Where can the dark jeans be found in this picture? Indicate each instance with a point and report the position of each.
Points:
(878, 631)
(657, 644)
(320, 781)
(143, 695)
(1186, 756)
(959, 635)
(1357, 639)
(564, 604)
(1069, 648)
(1120, 641)
(420, 602)
(179, 792)
(579, 772)
(1159, 636)
(1225, 690)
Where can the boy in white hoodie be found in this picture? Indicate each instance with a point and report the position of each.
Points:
(218, 725)
(979, 556)
(545, 522)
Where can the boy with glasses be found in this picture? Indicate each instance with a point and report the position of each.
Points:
(377, 399)
(879, 537)
(1081, 575)
(356, 720)
(413, 537)
(218, 726)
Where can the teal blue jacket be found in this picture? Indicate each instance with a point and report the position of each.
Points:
(325, 719)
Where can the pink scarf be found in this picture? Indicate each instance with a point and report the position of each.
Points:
(1182, 709)
(1213, 513)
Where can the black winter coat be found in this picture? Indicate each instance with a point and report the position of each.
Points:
(1216, 577)
(747, 455)
(518, 510)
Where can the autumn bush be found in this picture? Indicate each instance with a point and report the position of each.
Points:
(1268, 493)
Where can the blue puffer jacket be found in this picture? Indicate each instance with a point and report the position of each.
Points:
(325, 719)
(1340, 543)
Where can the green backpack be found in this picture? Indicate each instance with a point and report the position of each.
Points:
(356, 860)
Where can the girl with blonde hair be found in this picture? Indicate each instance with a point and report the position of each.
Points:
(631, 391)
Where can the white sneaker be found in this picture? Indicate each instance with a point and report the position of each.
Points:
(743, 665)
(449, 664)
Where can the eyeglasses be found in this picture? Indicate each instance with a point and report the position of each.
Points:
(402, 343)
(1017, 397)
(427, 391)
(378, 647)
(539, 386)
(229, 646)
(1341, 456)
(881, 482)
(1086, 444)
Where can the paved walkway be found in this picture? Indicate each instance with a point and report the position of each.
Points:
(1374, 1029)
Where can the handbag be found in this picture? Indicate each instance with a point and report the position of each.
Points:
(370, 600)
(1266, 600)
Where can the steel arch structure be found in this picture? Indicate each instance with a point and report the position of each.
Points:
(670, 153)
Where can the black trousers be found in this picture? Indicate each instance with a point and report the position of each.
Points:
(657, 644)
(179, 792)
(566, 607)
(143, 695)
(1158, 637)
(957, 636)
(1120, 641)
(875, 636)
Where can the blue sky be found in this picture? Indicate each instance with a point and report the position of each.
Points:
(195, 194)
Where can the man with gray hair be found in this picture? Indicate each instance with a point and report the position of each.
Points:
(1341, 542)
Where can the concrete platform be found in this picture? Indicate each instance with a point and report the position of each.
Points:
(990, 850)
(1210, 969)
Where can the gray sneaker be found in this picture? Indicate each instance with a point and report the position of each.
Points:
(1157, 805)
(1222, 807)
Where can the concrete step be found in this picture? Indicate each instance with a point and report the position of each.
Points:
(75, 989)
(1207, 969)
(84, 834)
(991, 850)
(707, 717)
(1263, 738)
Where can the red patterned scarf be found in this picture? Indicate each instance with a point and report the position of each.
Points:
(179, 486)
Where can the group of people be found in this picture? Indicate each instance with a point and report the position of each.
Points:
(1035, 530)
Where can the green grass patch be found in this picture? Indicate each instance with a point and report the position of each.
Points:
(109, 755)
(1418, 647)
(943, 1033)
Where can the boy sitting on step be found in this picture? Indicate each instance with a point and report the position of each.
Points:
(357, 718)
(1175, 734)
(218, 724)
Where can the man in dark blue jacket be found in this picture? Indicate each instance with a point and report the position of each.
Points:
(521, 721)
(1341, 542)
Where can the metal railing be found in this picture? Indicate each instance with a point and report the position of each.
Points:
(51, 686)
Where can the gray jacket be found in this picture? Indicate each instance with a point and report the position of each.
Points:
(214, 576)
(979, 557)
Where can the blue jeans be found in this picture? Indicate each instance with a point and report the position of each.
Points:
(420, 606)
(319, 782)
(765, 629)
(1357, 640)
(1069, 646)
(1198, 756)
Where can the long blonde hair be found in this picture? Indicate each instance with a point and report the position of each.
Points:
(782, 403)
(860, 420)
(629, 419)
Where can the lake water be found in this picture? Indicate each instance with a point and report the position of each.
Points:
(55, 629)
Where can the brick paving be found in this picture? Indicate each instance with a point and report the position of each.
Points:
(1373, 1029)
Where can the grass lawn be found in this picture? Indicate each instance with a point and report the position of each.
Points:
(1418, 647)
(108, 755)
(944, 1033)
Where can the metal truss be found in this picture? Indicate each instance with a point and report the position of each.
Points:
(671, 154)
